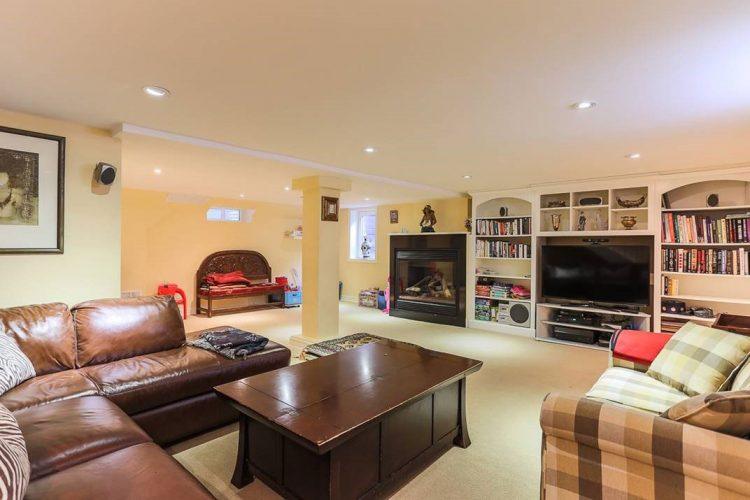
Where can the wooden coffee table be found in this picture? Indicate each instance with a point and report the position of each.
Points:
(359, 423)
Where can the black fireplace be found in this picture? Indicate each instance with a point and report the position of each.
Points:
(428, 277)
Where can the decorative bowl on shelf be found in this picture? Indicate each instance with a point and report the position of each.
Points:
(556, 204)
(629, 221)
(631, 203)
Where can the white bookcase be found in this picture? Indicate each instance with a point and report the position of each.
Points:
(506, 209)
(687, 194)
(716, 290)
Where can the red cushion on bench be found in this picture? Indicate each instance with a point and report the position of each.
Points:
(244, 291)
(639, 346)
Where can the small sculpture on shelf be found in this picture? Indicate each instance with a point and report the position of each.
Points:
(629, 221)
(467, 225)
(556, 204)
(631, 203)
(556, 218)
(428, 220)
(581, 221)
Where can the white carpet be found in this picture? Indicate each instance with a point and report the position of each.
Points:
(503, 405)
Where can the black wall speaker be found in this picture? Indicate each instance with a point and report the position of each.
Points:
(105, 174)
(712, 200)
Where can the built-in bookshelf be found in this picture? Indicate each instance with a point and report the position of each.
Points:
(704, 249)
(598, 211)
(502, 264)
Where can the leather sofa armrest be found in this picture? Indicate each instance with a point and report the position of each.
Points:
(636, 349)
(707, 456)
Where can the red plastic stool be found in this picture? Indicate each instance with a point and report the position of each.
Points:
(173, 289)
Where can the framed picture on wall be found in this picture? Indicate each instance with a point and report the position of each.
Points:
(394, 216)
(32, 192)
(330, 209)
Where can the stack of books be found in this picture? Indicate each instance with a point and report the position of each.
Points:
(669, 286)
(503, 249)
(671, 325)
(501, 290)
(482, 310)
(706, 261)
(515, 227)
(482, 290)
(678, 228)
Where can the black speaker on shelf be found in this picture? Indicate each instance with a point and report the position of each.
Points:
(516, 313)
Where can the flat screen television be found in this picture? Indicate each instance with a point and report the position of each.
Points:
(607, 274)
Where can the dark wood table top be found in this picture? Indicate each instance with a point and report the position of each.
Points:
(321, 403)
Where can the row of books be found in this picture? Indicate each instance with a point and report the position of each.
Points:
(515, 227)
(678, 228)
(503, 249)
(706, 261)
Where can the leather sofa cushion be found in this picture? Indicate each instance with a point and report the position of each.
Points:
(65, 433)
(143, 471)
(44, 333)
(144, 382)
(114, 329)
(48, 388)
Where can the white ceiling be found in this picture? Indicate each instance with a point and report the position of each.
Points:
(187, 168)
(442, 88)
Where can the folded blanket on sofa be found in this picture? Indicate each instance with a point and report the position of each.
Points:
(230, 342)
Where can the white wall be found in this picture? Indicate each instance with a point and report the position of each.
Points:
(90, 266)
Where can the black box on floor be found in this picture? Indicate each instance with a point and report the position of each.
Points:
(574, 334)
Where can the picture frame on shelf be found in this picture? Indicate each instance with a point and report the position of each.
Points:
(32, 192)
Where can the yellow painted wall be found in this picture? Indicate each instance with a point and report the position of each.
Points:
(90, 266)
(358, 275)
(166, 242)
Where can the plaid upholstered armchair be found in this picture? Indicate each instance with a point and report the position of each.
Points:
(634, 436)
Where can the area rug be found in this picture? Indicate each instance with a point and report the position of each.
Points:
(328, 347)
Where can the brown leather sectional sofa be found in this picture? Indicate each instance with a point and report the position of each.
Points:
(114, 381)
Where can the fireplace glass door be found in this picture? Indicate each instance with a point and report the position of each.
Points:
(426, 277)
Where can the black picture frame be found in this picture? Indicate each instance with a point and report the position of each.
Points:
(59, 248)
(329, 210)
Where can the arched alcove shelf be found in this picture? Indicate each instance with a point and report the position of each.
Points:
(704, 250)
(502, 258)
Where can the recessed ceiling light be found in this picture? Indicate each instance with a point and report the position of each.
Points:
(367, 199)
(287, 188)
(583, 105)
(369, 150)
(467, 177)
(634, 156)
(157, 171)
(242, 195)
(155, 91)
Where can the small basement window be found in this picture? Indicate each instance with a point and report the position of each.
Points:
(363, 230)
(225, 214)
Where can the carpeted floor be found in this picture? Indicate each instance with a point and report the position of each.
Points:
(503, 405)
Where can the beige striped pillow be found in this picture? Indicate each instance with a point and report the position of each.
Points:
(14, 461)
(698, 359)
(742, 378)
(727, 412)
(15, 367)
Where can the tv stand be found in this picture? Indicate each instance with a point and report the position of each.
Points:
(611, 320)
(594, 305)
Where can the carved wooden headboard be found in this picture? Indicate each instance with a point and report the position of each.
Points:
(252, 264)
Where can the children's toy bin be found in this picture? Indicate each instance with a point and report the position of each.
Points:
(292, 299)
